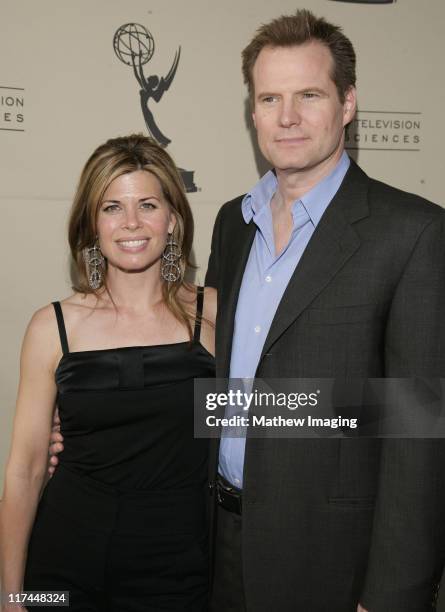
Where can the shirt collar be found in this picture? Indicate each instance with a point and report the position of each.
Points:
(314, 201)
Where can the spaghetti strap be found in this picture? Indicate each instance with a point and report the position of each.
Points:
(198, 318)
(61, 326)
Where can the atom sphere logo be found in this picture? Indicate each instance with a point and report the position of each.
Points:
(133, 40)
(134, 45)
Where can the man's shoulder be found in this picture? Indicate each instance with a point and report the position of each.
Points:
(398, 200)
(389, 202)
(233, 207)
(230, 215)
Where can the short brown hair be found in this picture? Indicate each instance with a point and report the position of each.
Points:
(303, 27)
(110, 160)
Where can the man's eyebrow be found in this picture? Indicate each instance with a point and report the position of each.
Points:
(265, 94)
(261, 94)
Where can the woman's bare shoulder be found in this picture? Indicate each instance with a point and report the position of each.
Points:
(41, 343)
(43, 323)
(78, 301)
(78, 306)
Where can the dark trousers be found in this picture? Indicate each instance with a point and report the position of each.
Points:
(228, 587)
(143, 551)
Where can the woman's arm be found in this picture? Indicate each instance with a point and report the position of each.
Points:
(26, 466)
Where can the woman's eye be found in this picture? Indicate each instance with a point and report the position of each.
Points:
(111, 208)
(148, 205)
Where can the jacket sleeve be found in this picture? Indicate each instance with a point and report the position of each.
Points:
(213, 268)
(407, 546)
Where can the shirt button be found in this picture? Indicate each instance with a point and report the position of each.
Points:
(237, 481)
(268, 279)
(257, 329)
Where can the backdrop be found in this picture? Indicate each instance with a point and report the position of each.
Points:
(67, 83)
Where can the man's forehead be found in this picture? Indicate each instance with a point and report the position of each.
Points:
(310, 59)
(311, 49)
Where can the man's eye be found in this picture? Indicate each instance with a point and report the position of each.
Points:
(308, 95)
(269, 99)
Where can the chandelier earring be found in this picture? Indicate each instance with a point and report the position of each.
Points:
(170, 266)
(94, 261)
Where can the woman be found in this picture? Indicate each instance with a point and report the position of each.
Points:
(121, 525)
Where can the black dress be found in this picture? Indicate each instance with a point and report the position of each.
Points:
(122, 523)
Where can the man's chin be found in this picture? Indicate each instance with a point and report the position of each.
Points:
(290, 162)
(292, 167)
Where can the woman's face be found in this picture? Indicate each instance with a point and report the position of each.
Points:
(133, 222)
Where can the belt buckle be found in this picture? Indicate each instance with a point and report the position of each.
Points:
(220, 490)
(226, 487)
(228, 497)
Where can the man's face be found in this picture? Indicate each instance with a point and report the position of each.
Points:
(297, 112)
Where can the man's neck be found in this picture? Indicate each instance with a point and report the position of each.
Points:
(293, 184)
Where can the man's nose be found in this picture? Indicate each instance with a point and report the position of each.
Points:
(289, 113)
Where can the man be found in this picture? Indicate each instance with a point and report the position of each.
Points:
(324, 272)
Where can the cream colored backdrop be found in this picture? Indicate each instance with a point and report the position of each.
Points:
(72, 92)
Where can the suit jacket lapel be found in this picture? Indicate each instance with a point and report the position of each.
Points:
(242, 235)
(332, 244)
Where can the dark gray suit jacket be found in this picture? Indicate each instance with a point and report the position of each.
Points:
(328, 523)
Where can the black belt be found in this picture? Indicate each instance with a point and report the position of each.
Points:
(228, 496)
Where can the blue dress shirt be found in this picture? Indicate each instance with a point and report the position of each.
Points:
(265, 279)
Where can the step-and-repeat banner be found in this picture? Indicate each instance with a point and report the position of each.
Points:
(74, 74)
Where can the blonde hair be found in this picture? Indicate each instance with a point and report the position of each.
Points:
(110, 160)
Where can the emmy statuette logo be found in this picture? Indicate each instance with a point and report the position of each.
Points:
(134, 45)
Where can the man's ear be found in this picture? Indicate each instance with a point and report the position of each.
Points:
(349, 105)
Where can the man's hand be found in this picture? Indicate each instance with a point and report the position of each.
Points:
(361, 609)
(55, 444)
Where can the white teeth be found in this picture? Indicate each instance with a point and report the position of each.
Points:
(132, 243)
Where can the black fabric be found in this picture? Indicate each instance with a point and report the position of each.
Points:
(228, 588)
(199, 305)
(127, 415)
(122, 524)
(61, 326)
(120, 551)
